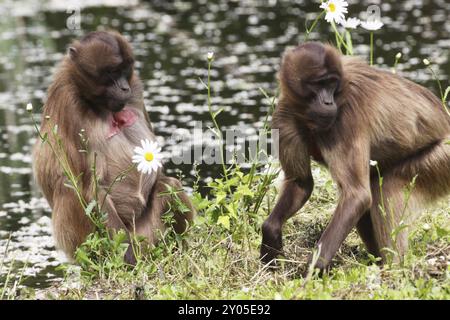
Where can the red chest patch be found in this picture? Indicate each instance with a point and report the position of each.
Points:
(119, 120)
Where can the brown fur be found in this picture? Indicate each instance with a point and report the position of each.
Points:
(380, 116)
(74, 103)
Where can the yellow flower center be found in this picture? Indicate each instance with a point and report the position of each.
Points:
(148, 156)
(332, 7)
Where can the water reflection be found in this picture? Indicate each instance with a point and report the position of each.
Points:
(171, 40)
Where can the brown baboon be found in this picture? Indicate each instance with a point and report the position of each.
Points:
(96, 91)
(345, 113)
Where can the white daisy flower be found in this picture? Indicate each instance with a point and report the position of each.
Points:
(210, 55)
(148, 157)
(350, 23)
(372, 25)
(29, 107)
(335, 10)
(426, 62)
(373, 163)
(398, 56)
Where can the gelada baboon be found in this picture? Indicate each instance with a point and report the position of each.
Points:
(96, 91)
(344, 113)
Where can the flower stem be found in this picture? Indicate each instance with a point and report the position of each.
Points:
(216, 125)
(266, 129)
(394, 68)
(371, 48)
(308, 31)
(340, 41)
(441, 91)
(348, 39)
(119, 177)
(380, 183)
(62, 159)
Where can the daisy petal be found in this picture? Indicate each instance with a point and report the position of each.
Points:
(144, 166)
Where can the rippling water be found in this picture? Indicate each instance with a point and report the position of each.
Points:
(170, 40)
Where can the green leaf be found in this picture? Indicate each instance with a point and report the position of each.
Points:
(244, 190)
(119, 238)
(90, 207)
(45, 137)
(442, 232)
(211, 209)
(220, 196)
(393, 252)
(82, 257)
(397, 230)
(199, 202)
(224, 221)
(68, 185)
(231, 210)
(200, 220)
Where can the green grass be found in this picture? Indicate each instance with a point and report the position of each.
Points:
(211, 261)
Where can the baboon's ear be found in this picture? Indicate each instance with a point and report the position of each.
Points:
(73, 52)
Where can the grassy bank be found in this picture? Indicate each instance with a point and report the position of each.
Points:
(216, 262)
